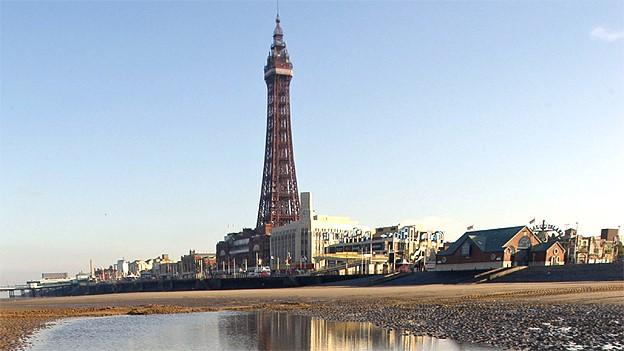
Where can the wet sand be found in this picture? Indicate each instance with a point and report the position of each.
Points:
(518, 316)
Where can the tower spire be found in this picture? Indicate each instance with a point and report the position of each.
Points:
(278, 33)
(279, 46)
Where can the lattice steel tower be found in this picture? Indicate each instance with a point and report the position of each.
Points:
(279, 197)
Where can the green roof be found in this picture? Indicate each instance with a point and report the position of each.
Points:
(543, 246)
(489, 240)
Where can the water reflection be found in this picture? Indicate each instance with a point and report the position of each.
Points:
(229, 331)
(282, 331)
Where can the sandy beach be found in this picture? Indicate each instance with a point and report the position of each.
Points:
(516, 316)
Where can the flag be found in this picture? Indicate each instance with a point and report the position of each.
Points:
(470, 227)
(532, 221)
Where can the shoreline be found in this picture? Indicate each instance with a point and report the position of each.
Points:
(516, 316)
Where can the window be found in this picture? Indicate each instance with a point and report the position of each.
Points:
(465, 249)
(524, 242)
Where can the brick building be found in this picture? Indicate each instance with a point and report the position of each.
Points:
(609, 234)
(197, 265)
(550, 253)
(496, 248)
(243, 250)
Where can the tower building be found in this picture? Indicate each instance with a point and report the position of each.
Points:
(279, 196)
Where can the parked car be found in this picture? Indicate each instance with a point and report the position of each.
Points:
(259, 272)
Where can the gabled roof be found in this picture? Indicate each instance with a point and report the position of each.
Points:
(544, 246)
(490, 240)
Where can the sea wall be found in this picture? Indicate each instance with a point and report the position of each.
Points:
(189, 284)
(566, 273)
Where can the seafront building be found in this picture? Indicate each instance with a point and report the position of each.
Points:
(137, 266)
(50, 279)
(122, 268)
(387, 249)
(592, 249)
(105, 274)
(191, 266)
(302, 243)
(550, 253)
(499, 248)
(53, 279)
(164, 267)
(238, 252)
(197, 265)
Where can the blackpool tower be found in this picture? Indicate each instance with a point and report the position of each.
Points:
(279, 197)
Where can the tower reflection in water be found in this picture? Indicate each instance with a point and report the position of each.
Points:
(284, 331)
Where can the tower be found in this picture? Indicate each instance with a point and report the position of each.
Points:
(279, 197)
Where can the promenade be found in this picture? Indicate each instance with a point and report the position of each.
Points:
(497, 313)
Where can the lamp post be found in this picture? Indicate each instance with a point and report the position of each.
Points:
(361, 259)
(371, 251)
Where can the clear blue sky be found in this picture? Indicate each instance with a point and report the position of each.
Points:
(133, 129)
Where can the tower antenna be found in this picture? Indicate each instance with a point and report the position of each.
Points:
(277, 6)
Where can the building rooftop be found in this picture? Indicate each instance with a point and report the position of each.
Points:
(333, 219)
(489, 240)
(543, 246)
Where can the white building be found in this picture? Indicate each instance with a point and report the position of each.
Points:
(137, 266)
(122, 267)
(387, 249)
(300, 243)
